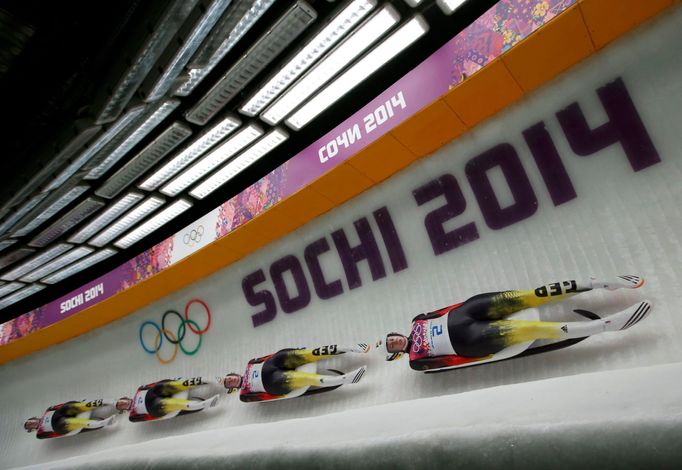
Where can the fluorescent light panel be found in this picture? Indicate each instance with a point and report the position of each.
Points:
(259, 56)
(157, 221)
(197, 148)
(128, 220)
(222, 40)
(6, 289)
(240, 163)
(143, 161)
(360, 71)
(106, 217)
(66, 222)
(112, 132)
(22, 211)
(152, 48)
(211, 161)
(19, 295)
(337, 28)
(51, 210)
(149, 124)
(15, 255)
(449, 6)
(368, 33)
(5, 243)
(189, 47)
(35, 262)
(79, 266)
(55, 264)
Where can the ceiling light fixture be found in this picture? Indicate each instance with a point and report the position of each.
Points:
(128, 220)
(157, 221)
(36, 261)
(337, 28)
(148, 125)
(66, 222)
(59, 202)
(368, 33)
(9, 288)
(106, 217)
(237, 22)
(197, 148)
(240, 163)
(14, 256)
(360, 71)
(87, 154)
(79, 266)
(143, 161)
(22, 211)
(151, 49)
(55, 264)
(189, 47)
(449, 6)
(289, 26)
(19, 295)
(211, 161)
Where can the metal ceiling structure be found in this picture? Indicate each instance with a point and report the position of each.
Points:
(126, 120)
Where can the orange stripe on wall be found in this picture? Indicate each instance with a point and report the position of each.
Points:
(566, 40)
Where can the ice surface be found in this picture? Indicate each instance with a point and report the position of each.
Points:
(629, 419)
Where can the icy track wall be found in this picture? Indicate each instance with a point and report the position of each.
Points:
(582, 178)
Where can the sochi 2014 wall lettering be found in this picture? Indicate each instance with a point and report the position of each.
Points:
(624, 126)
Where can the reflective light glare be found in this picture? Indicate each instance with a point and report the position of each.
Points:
(375, 59)
(19, 295)
(160, 219)
(79, 266)
(449, 6)
(197, 148)
(67, 258)
(134, 138)
(234, 34)
(58, 205)
(143, 161)
(233, 145)
(66, 222)
(316, 48)
(413, 3)
(22, 211)
(189, 47)
(9, 288)
(128, 220)
(106, 217)
(240, 163)
(332, 64)
(259, 56)
(35, 262)
(164, 30)
(101, 141)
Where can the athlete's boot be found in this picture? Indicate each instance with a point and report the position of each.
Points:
(626, 281)
(352, 377)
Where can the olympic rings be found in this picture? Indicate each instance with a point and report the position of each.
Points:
(158, 348)
(182, 325)
(208, 314)
(175, 338)
(193, 236)
(158, 329)
(180, 336)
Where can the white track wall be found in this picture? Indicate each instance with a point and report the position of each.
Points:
(620, 222)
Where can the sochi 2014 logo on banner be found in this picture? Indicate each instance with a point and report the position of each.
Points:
(187, 329)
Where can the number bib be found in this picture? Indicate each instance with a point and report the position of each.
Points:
(430, 338)
(139, 406)
(253, 379)
(46, 423)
